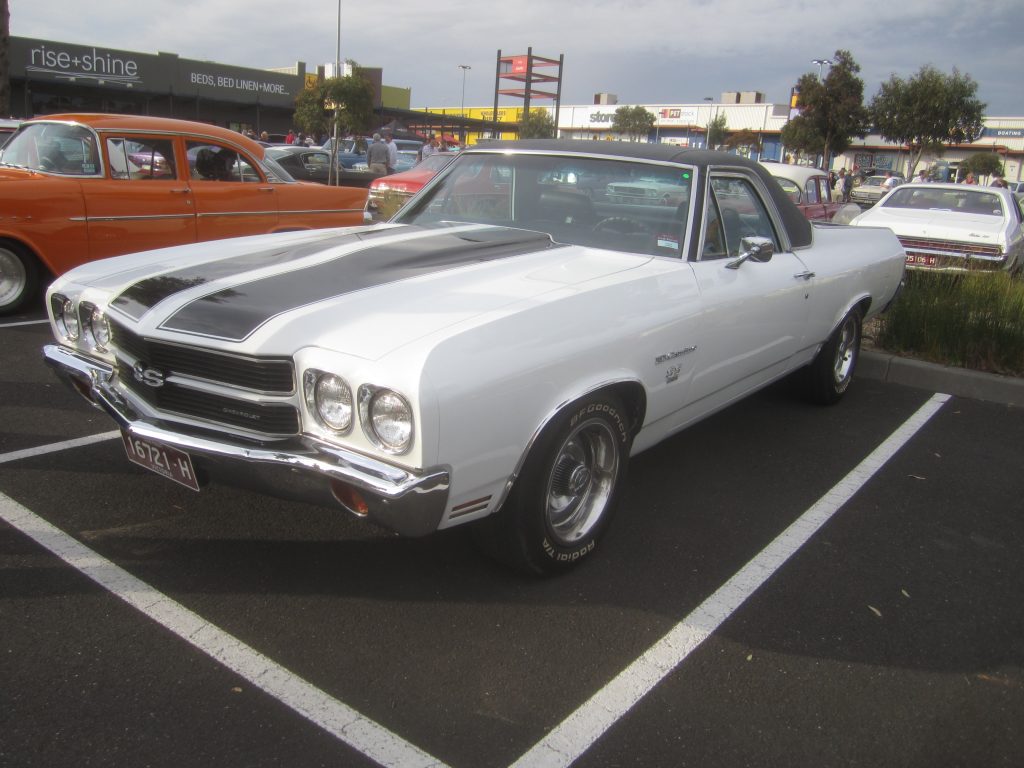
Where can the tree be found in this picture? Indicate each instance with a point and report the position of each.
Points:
(984, 164)
(744, 139)
(349, 99)
(832, 110)
(635, 122)
(538, 124)
(717, 131)
(927, 111)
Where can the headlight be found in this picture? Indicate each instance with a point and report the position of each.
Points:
(96, 327)
(66, 317)
(329, 398)
(386, 417)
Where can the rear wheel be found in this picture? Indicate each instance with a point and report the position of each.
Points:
(563, 500)
(830, 373)
(19, 277)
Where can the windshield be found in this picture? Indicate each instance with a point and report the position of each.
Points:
(58, 148)
(620, 205)
(922, 197)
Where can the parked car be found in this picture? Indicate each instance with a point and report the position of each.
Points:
(352, 151)
(389, 193)
(809, 190)
(303, 163)
(76, 188)
(870, 190)
(953, 226)
(494, 355)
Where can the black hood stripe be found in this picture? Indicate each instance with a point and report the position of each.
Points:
(141, 297)
(234, 313)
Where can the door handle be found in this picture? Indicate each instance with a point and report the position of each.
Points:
(803, 275)
(178, 191)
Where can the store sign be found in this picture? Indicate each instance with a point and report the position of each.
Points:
(1003, 133)
(49, 61)
(44, 60)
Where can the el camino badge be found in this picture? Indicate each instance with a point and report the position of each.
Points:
(673, 371)
(673, 355)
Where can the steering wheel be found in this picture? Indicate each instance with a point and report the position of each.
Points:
(622, 225)
(47, 164)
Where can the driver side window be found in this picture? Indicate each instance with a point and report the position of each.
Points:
(734, 211)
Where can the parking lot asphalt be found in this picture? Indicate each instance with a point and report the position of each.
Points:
(762, 599)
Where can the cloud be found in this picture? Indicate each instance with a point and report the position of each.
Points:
(647, 51)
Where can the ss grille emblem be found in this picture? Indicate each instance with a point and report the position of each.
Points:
(151, 377)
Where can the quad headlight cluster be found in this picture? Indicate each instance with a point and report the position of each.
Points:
(385, 415)
(85, 322)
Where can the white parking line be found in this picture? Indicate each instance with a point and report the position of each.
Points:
(575, 735)
(54, 447)
(346, 724)
(563, 745)
(24, 322)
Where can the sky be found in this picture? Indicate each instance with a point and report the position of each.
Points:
(643, 51)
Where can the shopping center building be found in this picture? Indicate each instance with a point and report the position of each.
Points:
(48, 77)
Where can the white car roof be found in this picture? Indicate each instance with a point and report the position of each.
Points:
(795, 173)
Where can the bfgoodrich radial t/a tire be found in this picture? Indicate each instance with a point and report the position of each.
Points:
(830, 373)
(563, 500)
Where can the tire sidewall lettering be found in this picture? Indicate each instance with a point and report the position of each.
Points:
(561, 555)
(602, 408)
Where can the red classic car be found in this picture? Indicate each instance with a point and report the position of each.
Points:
(808, 188)
(389, 193)
(74, 188)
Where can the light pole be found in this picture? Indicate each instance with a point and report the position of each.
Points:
(821, 63)
(707, 136)
(462, 104)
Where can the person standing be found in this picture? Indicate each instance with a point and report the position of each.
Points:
(389, 142)
(890, 181)
(430, 148)
(845, 185)
(921, 178)
(377, 156)
(998, 180)
(969, 179)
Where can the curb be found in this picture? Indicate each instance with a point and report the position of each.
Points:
(990, 387)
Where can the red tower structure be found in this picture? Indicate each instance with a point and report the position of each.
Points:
(524, 70)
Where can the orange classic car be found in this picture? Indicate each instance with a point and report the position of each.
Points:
(78, 187)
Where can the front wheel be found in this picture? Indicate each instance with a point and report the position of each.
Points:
(563, 500)
(19, 277)
(830, 373)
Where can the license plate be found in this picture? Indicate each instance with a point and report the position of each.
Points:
(921, 260)
(163, 459)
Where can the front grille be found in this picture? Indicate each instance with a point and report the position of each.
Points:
(146, 366)
(176, 399)
(270, 375)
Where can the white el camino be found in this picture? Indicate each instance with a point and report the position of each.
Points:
(493, 355)
(953, 227)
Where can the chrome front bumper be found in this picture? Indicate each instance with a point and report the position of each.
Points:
(300, 468)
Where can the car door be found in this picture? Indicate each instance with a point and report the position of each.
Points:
(815, 203)
(754, 313)
(141, 201)
(231, 196)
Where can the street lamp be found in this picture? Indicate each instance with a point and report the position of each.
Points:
(821, 63)
(462, 104)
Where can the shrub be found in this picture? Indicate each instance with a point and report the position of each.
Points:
(969, 319)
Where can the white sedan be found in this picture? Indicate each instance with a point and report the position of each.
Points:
(953, 227)
(492, 356)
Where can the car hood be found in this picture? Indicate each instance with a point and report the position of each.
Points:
(936, 225)
(361, 291)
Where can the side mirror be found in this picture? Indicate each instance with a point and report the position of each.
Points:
(759, 249)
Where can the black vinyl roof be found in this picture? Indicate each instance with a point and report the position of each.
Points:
(797, 226)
